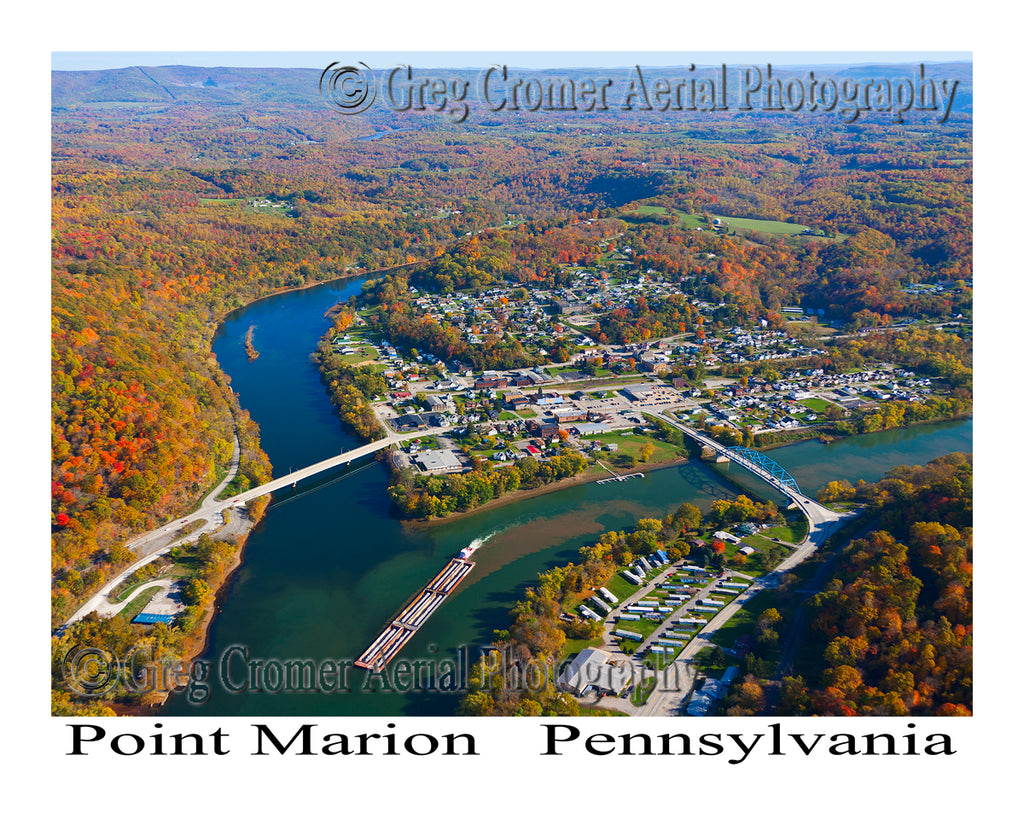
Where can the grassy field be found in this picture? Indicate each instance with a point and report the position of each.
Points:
(129, 612)
(792, 531)
(572, 647)
(815, 404)
(742, 622)
(629, 446)
(757, 564)
(620, 587)
(814, 327)
(763, 226)
(361, 355)
(757, 541)
(133, 583)
(773, 228)
(692, 220)
(686, 220)
(740, 224)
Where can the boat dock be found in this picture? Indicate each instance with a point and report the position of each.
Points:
(390, 641)
(617, 478)
(620, 478)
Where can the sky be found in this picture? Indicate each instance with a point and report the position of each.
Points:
(94, 60)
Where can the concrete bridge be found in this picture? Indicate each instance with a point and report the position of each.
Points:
(313, 469)
(330, 463)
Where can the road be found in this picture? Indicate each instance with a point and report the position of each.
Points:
(210, 514)
(109, 609)
(671, 679)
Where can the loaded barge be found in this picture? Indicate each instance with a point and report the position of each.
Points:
(390, 641)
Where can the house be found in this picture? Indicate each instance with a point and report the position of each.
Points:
(589, 429)
(569, 415)
(490, 383)
(409, 423)
(566, 308)
(516, 400)
(701, 702)
(543, 429)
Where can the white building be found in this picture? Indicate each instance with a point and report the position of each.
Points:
(593, 668)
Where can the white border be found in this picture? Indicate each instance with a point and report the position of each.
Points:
(511, 778)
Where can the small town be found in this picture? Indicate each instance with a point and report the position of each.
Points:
(600, 391)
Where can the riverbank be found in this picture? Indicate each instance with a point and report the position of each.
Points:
(592, 475)
(829, 435)
(201, 634)
(197, 641)
(297, 288)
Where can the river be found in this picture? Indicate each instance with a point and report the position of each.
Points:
(327, 567)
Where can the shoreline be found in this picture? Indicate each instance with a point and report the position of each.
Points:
(836, 437)
(196, 647)
(579, 480)
(526, 494)
(277, 291)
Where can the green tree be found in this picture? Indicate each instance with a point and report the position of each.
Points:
(194, 592)
(687, 518)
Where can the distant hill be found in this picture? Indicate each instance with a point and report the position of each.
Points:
(183, 83)
(299, 86)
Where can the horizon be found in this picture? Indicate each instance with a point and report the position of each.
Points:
(527, 60)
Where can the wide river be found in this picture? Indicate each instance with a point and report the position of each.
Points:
(327, 567)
